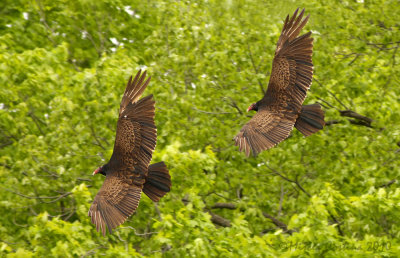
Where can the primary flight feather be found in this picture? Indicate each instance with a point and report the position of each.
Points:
(281, 107)
(128, 172)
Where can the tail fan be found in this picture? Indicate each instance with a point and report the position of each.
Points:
(158, 181)
(310, 120)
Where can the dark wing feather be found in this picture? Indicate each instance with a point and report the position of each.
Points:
(291, 77)
(114, 203)
(136, 131)
(266, 129)
(292, 68)
(135, 141)
(134, 90)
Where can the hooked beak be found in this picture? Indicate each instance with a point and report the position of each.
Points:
(251, 107)
(96, 171)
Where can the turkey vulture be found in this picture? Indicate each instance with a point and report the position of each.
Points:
(128, 172)
(281, 107)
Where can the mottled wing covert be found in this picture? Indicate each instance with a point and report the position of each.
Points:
(291, 77)
(114, 203)
(266, 129)
(135, 141)
(292, 68)
(136, 131)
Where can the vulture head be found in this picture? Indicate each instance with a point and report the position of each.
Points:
(253, 106)
(100, 170)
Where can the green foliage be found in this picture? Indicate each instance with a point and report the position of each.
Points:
(63, 69)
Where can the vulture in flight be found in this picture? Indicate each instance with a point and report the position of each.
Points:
(128, 172)
(281, 107)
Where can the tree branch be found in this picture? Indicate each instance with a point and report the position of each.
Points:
(255, 68)
(289, 180)
(96, 138)
(278, 223)
(92, 251)
(212, 113)
(4, 144)
(362, 120)
(134, 231)
(332, 122)
(385, 185)
(337, 223)
(281, 200)
(223, 205)
(44, 21)
(36, 120)
(234, 105)
(218, 220)
(337, 99)
(56, 198)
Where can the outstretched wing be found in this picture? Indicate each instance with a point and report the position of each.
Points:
(135, 141)
(114, 203)
(267, 128)
(292, 68)
(291, 77)
(136, 131)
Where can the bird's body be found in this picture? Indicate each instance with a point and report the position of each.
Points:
(128, 172)
(281, 107)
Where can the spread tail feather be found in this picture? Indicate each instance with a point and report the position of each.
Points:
(310, 120)
(158, 181)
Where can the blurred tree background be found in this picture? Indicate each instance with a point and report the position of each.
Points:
(63, 69)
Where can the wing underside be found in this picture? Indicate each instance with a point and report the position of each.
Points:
(127, 169)
(291, 77)
(136, 130)
(266, 129)
(114, 203)
(292, 67)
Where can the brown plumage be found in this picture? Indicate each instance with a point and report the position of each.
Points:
(281, 107)
(128, 172)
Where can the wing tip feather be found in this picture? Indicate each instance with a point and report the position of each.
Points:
(134, 89)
